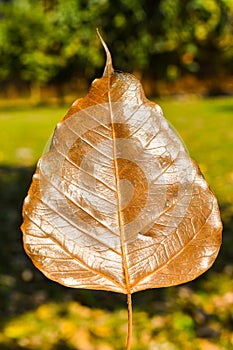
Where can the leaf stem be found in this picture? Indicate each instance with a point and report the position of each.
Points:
(130, 322)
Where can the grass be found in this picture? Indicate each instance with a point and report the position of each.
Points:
(36, 313)
(205, 127)
(24, 133)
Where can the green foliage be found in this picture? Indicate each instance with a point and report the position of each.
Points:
(38, 45)
(195, 30)
(23, 42)
(51, 41)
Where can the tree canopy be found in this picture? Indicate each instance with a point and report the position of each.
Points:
(48, 41)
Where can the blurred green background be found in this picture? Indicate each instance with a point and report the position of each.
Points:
(182, 50)
(51, 46)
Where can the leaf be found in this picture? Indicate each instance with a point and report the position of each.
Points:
(116, 203)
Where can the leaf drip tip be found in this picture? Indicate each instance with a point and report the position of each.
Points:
(108, 70)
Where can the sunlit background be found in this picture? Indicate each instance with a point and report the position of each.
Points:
(182, 51)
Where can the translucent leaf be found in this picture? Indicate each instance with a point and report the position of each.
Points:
(116, 203)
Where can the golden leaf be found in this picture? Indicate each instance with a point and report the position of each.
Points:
(116, 203)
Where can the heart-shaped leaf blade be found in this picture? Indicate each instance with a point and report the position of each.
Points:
(116, 203)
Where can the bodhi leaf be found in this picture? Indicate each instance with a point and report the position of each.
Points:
(116, 203)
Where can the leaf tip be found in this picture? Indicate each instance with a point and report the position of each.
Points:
(108, 70)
